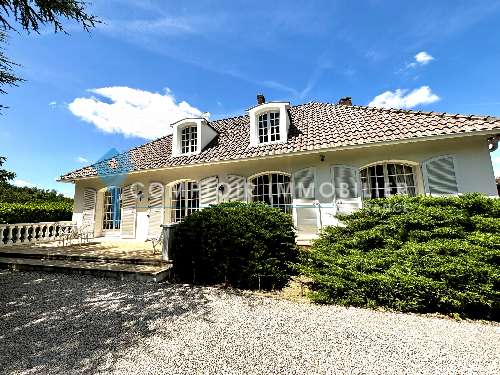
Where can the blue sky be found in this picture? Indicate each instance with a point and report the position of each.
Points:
(152, 62)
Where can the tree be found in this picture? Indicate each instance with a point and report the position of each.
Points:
(4, 174)
(31, 15)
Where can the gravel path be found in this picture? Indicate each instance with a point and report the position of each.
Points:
(52, 323)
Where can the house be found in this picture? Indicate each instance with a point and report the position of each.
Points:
(311, 160)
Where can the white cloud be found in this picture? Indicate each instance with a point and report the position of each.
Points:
(23, 183)
(132, 112)
(404, 99)
(423, 58)
(81, 159)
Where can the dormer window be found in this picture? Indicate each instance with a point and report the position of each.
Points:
(189, 140)
(269, 127)
(190, 136)
(269, 122)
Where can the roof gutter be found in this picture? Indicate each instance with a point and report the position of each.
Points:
(489, 132)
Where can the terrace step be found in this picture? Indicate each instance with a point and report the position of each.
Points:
(38, 253)
(142, 272)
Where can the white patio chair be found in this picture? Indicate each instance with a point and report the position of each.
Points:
(156, 241)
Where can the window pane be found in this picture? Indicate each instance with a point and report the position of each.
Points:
(273, 189)
(189, 139)
(185, 200)
(263, 128)
(112, 209)
(401, 180)
(391, 170)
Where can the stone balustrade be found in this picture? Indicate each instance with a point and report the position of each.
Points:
(31, 233)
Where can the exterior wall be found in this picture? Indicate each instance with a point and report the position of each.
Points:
(473, 169)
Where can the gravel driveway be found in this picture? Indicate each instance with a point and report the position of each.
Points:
(52, 323)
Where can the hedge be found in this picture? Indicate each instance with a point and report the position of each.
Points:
(237, 244)
(35, 212)
(419, 254)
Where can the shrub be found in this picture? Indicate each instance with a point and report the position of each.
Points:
(15, 194)
(35, 212)
(429, 255)
(237, 244)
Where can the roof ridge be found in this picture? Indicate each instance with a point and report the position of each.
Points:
(419, 112)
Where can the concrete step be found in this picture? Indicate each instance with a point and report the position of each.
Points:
(142, 272)
(35, 253)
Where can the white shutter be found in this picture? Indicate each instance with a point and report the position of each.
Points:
(346, 188)
(128, 212)
(236, 188)
(439, 176)
(89, 205)
(155, 209)
(303, 183)
(209, 193)
(306, 212)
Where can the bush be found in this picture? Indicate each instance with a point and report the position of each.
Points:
(15, 194)
(419, 254)
(35, 212)
(235, 243)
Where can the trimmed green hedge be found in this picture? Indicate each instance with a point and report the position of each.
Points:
(35, 212)
(419, 254)
(237, 244)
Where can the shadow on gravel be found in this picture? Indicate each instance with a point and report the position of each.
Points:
(52, 323)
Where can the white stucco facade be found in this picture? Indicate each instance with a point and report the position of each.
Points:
(472, 164)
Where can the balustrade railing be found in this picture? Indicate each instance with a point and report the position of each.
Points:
(31, 233)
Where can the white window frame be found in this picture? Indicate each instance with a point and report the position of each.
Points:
(367, 193)
(288, 205)
(107, 204)
(189, 139)
(268, 123)
(187, 196)
(284, 122)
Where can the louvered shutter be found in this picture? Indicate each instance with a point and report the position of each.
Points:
(439, 176)
(236, 188)
(303, 183)
(129, 209)
(156, 209)
(89, 205)
(306, 213)
(209, 193)
(346, 189)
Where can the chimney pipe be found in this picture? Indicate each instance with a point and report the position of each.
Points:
(260, 99)
(346, 100)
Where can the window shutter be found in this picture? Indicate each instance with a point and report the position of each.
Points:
(306, 213)
(236, 188)
(303, 183)
(89, 205)
(128, 212)
(209, 191)
(346, 188)
(155, 209)
(439, 176)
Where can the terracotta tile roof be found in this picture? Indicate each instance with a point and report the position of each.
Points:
(314, 126)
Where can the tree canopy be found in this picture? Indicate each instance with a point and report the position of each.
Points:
(4, 174)
(30, 16)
